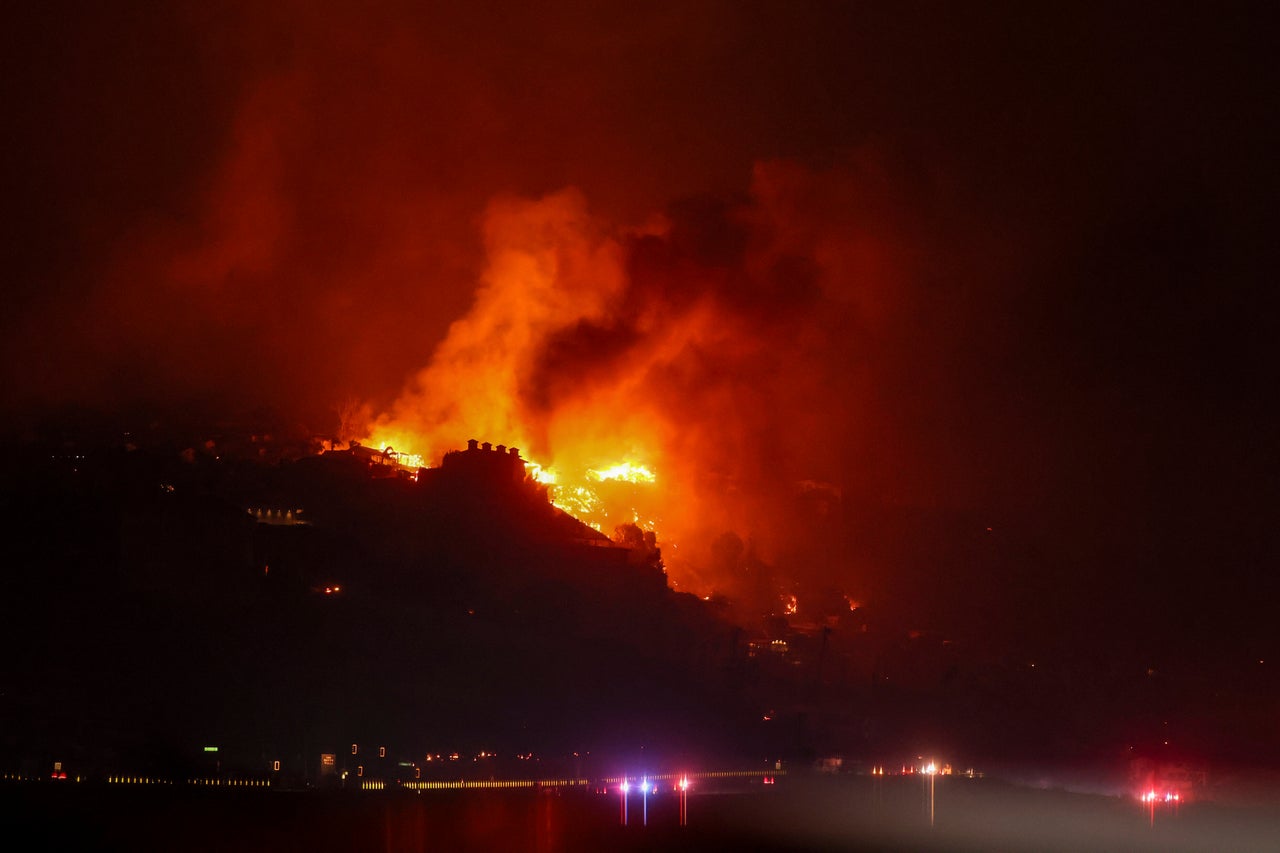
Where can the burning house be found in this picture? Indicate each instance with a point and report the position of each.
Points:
(380, 463)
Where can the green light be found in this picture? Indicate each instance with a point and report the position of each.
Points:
(210, 749)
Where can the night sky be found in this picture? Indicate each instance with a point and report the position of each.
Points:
(1008, 265)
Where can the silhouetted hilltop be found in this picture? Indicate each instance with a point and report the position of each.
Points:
(166, 599)
(162, 591)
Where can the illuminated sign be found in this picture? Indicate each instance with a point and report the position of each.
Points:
(210, 749)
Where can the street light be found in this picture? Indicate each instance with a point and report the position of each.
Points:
(931, 770)
(625, 787)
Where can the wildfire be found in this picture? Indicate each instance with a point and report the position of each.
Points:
(407, 460)
(577, 492)
(581, 496)
(642, 383)
(627, 472)
(540, 474)
(579, 501)
(393, 444)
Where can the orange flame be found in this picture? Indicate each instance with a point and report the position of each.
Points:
(647, 382)
(548, 270)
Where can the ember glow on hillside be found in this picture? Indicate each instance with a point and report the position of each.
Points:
(666, 376)
(593, 496)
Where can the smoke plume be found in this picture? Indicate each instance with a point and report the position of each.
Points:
(717, 344)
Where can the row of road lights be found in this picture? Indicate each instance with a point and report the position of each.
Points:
(930, 771)
(647, 788)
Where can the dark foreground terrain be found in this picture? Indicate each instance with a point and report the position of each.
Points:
(801, 814)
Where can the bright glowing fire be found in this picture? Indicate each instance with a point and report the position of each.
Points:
(625, 471)
(406, 460)
(644, 380)
(581, 497)
(591, 443)
(602, 497)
